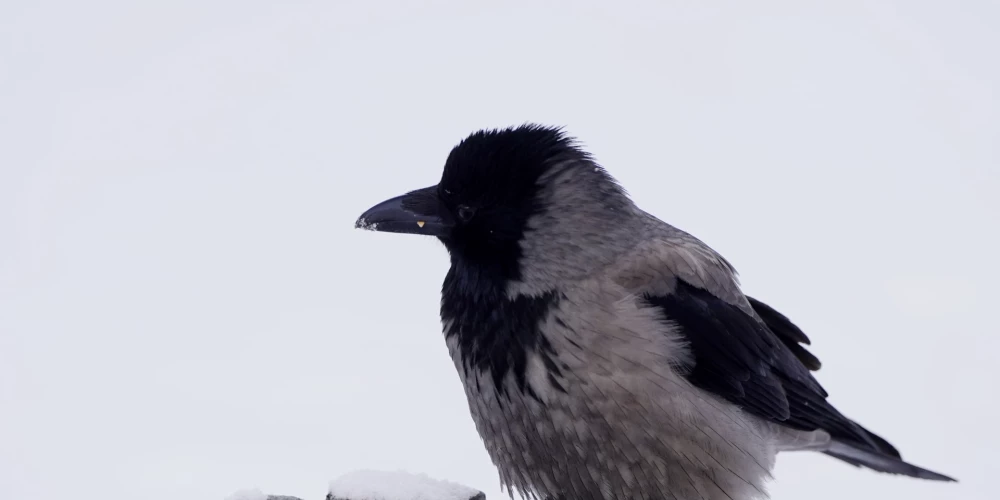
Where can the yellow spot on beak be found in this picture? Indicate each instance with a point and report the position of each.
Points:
(420, 223)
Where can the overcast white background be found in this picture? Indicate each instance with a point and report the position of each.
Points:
(186, 309)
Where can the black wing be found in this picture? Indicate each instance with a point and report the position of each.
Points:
(738, 357)
(760, 366)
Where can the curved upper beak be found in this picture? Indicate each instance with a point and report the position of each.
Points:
(416, 212)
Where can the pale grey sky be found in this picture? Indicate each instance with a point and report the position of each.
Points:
(186, 309)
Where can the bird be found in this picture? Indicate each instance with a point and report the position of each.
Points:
(604, 353)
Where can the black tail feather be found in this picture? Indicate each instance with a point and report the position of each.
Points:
(859, 456)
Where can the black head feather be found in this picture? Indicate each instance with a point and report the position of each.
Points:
(490, 184)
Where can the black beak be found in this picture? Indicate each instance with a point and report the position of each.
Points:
(417, 212)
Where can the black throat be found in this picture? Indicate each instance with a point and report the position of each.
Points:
(494, 332)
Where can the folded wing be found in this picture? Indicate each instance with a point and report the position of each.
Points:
(748, 353)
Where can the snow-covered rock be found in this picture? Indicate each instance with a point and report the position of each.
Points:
(257, 495)
(399, 485)
(247, 495)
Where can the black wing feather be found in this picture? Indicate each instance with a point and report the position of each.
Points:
(792, 336)
(761, 366)
(741, 359)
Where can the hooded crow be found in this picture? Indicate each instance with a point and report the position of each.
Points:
(606, 354)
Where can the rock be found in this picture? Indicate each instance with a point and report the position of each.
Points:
(381, 485)
(399, 485)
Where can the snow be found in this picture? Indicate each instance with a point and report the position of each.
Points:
(247, 495)
(363, 223)
(399, 485)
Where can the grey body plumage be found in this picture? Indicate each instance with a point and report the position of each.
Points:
(604, 353)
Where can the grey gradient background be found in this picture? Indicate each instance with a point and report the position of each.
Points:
(186, 309)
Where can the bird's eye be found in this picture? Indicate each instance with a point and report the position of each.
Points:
(465, 213)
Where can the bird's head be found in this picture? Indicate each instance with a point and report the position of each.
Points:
(517, 205)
